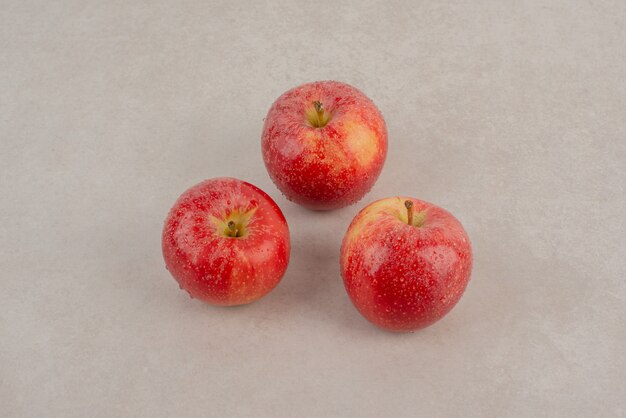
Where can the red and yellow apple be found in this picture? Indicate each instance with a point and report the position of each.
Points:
(324, 144)
(405, 263)
(226, 242)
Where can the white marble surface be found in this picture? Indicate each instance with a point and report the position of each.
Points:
(510, 114)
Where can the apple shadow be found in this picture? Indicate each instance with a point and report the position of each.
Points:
(312, 287)
(314, 260)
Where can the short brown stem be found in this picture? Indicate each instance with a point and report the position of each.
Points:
(320, 113)
(409, 211)
(317, 116)
(233, 231)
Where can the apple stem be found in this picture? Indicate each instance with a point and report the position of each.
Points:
(234, 232)
(320, 113)
(409, 211)
(318, 107)
(317, 116)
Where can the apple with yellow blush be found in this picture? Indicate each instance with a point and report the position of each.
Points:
(405, 263)
(226, 242)
(324, 144)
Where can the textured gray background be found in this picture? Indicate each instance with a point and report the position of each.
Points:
(510, 114)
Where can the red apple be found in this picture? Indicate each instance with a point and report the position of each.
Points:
(405, 263)
(324, 144)
(226, 242)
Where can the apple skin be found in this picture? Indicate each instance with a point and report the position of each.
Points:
(326, 167)
(211, 265)
(404, 277)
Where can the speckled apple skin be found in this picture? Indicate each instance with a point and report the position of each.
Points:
(402, 277)
(330, 167)
(218, 269)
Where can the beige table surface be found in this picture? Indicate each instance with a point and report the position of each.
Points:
(511, 114)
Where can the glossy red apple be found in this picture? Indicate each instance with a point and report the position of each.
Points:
(324, 144)
(405, 263)
(226, 242)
